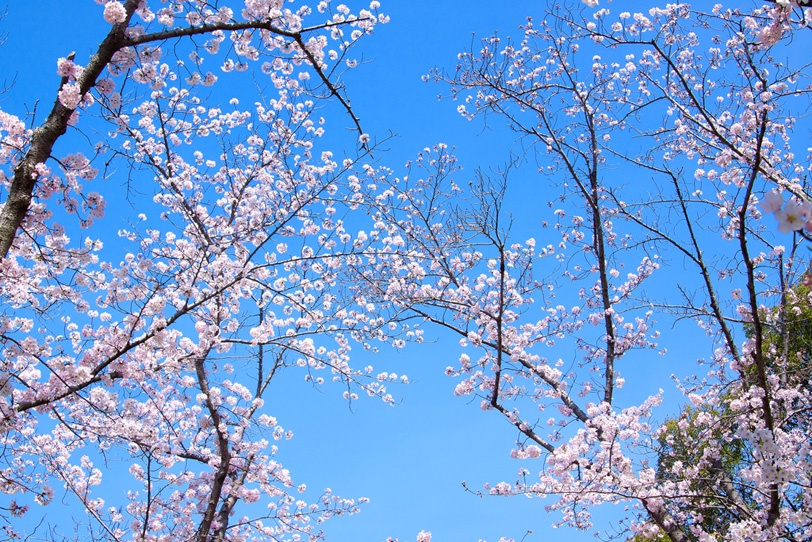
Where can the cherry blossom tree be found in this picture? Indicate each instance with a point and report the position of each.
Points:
(666, 139)
(144, 355)
(671, 142)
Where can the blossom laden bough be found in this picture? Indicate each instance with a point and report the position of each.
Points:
(171, 327)
(698, 105)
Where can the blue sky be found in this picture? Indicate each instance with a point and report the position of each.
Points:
(411, 459)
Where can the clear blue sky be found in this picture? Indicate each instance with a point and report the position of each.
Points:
(409, 460)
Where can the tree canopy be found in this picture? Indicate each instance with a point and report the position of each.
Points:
(669, 143)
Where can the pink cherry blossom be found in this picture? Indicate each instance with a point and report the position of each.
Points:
(114, 12)
(792, 216)
(70, 95)
(772, 202)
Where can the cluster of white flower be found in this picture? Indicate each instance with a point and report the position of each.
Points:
(114, 12)
(793, 216)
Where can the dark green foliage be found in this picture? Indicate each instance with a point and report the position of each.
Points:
(787, 349)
